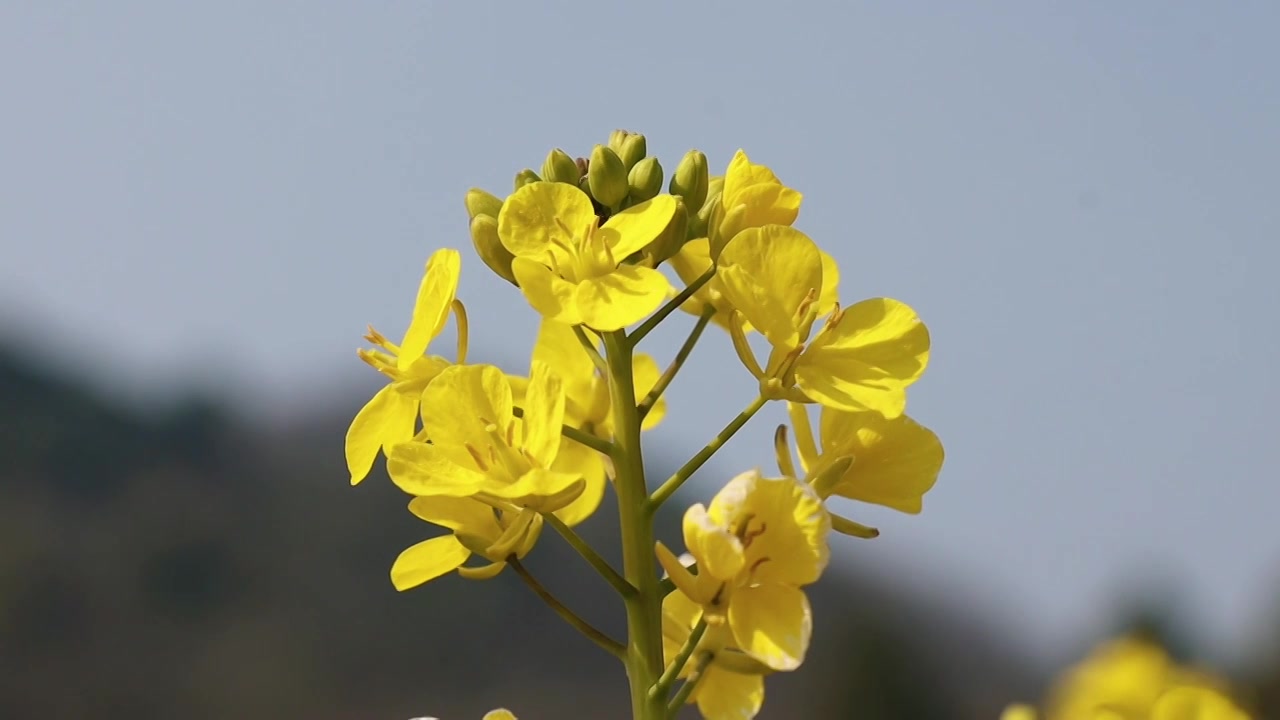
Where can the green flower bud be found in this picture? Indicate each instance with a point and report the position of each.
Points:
(524, 177)
(631, 147)
(484, 234)
(645, 180)
(671, 239)
(699, 224)
(559, 167)
(607, 177)
(480, 202)
(691, 180)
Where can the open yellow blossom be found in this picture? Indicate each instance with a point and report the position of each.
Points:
(726, 690)
(479, 449)
(1131, 678)
(477, 529)
(570, 267)
(894, 462)
(752, 197)
(756, 544)
(390, 417)
(499, 714)
(863, 357)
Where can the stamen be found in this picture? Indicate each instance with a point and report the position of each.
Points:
(475, 455)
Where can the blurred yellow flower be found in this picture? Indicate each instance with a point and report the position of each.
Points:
(1134, 679)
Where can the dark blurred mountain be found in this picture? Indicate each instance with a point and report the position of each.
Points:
(187, 563)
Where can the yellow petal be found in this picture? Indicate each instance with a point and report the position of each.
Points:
(431, 310)
(787, 521)
(463, 515)
(895, 461)
(767, 274)
(427, 561)
(645, 374)
(581, 460)
(499, 714)
(866, 358)
(544, 490)
(772, 623)
(558, 346)
(540, 218)
(830, 294)
(1018, 712)
(630, 230)
(693, 259)
(551, 295)
(765, 199)
(426, 470)
(543, 414)
(387, 419)
(462, 402)
(1196, 703)
(718, 550)
(621, 298)
(724, 695)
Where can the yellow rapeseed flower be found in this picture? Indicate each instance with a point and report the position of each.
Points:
(479, 449)
(390, 417)
(894, 462)
(477, 529)
(724, 691)
(752, 197)
(863, 357)
(1130, 678)
(756, 544)
(571, 268)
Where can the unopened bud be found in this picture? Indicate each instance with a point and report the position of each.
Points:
(484, 235)
(645, 180)
(559, 167)
(607, 177)
(480, 202)
(524, 177)
(630, 147)
(691, 180)
(699, 225)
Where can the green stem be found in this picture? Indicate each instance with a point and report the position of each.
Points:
(682, 696)
(648, 325)
(611, 646)
(675, 481)
(589, 345)
(585, 438)
(672, 672)
(639, 565)
(681, 356)
(602, 566)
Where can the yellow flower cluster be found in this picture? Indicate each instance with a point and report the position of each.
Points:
(1133, 679)
(594, 247)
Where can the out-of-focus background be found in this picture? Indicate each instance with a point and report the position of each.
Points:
(202, 206)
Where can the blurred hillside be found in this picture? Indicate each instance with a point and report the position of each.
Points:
(185, 563)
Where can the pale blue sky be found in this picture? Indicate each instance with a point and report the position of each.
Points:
(1079, 198)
